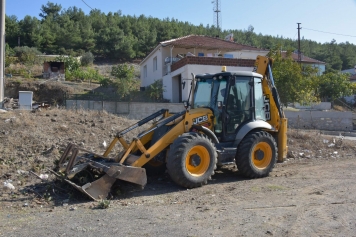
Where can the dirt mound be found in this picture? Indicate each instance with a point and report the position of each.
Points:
(43, 91)
(33, 141)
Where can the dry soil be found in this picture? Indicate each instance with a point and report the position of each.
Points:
(313, 193)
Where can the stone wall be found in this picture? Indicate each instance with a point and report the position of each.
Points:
(323, 120)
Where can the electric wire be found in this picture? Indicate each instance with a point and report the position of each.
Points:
(328, 32)
(87, 5)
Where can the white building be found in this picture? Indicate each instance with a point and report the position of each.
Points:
(175, 60)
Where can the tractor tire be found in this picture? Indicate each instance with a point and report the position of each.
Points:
(191, 160)
(256, 154)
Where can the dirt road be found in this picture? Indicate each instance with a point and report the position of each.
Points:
(306, 197)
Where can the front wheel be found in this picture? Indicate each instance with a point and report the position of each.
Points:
(191, 160)
(256, 155)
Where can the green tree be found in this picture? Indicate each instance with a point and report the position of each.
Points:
(12, 29)
(123, 71)
(49, 37)
(250, 36)
(50, 9)
(87, 59)
(30, 33)
(294, 83)
(334, 85)
(122, 37)
(124, 79)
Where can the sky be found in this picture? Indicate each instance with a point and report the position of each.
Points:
(272, 17)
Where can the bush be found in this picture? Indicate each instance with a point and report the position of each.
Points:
(124, 79)
(71, 63)
(123, 71)
(155, 90)
(27, 55)
(104, 82)
(87, 59)
(88, 74)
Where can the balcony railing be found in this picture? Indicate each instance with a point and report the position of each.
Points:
(215, 61)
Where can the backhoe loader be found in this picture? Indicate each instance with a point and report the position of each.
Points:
(232, 118)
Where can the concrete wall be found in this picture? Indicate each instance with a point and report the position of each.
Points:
(317, 106)
(133, 110)
(323, 120)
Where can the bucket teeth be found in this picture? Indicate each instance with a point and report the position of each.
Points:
(109, 171)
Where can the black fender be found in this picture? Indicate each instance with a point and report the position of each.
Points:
(248, 127)
(207, 132)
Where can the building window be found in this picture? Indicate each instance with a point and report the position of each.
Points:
(145, 71)
(155, 64)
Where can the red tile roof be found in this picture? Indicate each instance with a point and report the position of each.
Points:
(305, 59)
(206, 42)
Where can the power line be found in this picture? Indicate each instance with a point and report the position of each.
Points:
(87, 5)
(328, 32)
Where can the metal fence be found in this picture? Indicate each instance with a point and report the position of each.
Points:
(113, 104)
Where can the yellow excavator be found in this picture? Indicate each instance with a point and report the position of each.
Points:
(232, 118)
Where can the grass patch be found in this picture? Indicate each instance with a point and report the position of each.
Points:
(276, 187)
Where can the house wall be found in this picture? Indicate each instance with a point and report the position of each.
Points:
(320, 67)
(152, 75)
(163, 52)
(186, 74)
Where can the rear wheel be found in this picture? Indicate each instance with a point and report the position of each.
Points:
(191, 160)
(257, 154)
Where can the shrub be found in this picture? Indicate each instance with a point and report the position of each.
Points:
(124, 79)
(71, 63)
(104, 81)
(87, 59)
(155, 90)
(27, 55)
(123, 71)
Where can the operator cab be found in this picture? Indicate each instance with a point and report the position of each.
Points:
(234, 97)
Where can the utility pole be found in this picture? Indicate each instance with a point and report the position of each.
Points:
(2, 51)
(299, 51)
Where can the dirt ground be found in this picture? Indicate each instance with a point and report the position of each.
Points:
(312, 193)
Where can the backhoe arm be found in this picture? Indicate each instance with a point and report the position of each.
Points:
(273, 107)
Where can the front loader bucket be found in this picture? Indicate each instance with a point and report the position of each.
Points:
(106, 168)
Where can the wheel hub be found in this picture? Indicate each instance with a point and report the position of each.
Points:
(259, 154)
(195, 160)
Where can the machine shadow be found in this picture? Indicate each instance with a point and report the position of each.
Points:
(59, 193)
(163, 184)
